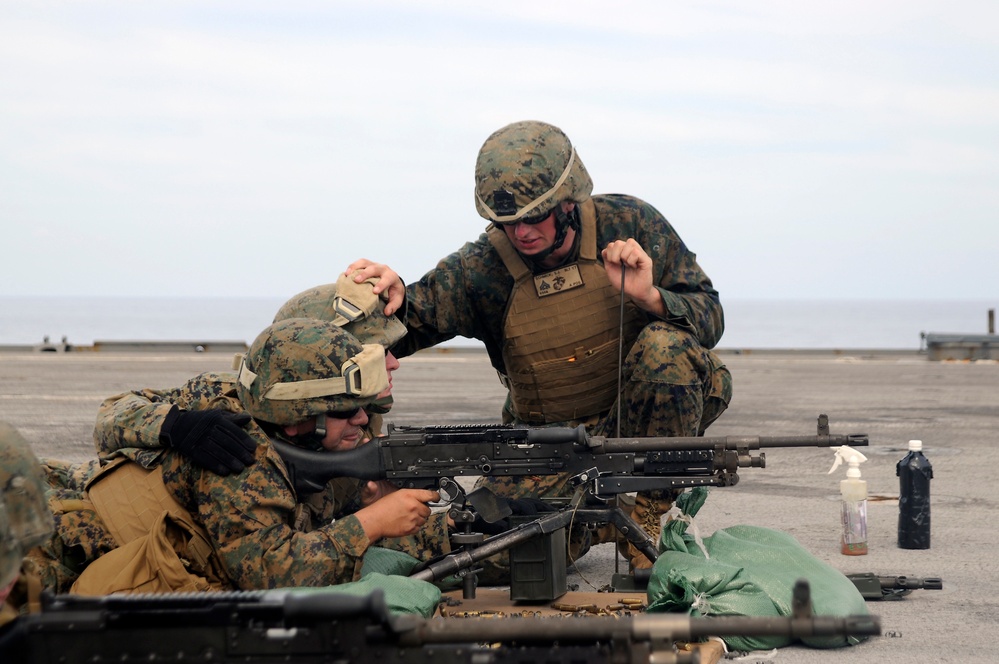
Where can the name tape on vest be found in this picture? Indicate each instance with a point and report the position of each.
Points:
(556, 281)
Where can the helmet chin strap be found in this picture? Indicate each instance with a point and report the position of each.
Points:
(314, 439)
(380, 406)
(563, 222)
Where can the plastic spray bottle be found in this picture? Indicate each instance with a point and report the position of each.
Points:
(854, 506)
(914, 474)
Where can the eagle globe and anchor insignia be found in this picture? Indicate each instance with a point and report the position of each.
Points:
(562, 279)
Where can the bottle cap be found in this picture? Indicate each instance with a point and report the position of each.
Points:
(915, 446)
(853, 460)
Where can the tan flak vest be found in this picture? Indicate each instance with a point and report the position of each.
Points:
(160, 546)
(561, 332)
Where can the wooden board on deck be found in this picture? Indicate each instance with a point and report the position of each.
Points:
(496, 602)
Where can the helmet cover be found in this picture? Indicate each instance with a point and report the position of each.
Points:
(349, 305)
(25, 519)
(524, 170)
(298, 368)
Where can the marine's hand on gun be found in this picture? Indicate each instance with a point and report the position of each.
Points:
(397, 514)
(518, 507)
(376, 490)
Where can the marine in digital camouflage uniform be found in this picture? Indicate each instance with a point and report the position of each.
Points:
(141, 425)
(298, 375)
(550, 320)
(25, 520)
(138, 424)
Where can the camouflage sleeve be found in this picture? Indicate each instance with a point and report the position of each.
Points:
(131, 420)
(691, 301)
(249, 517)
(464, 295)
(430, 541)
(129, 424)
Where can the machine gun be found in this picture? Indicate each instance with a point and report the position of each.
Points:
(601, 467)
(289, 627)
(877, 587)
(430, 457)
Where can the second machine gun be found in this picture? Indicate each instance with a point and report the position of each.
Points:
(264, 627)
(601, 468)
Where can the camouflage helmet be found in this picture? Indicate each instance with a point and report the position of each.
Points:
(349, 305)
(301, 367)
(25, 520)
(524, 170)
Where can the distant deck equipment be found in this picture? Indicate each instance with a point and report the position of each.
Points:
(961, 346)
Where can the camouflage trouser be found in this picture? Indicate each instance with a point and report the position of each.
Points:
(672, 386)
(428, 542)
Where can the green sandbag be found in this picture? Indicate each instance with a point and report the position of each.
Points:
(379, 560)
(389, 561)
(402, 594)
(749, 571)
(389, 570)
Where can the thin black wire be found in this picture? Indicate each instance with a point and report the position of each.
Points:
(620, 371)
(620, 352)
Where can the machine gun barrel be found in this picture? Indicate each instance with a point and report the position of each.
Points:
(911, 583)
(613, 445)
(652, 626)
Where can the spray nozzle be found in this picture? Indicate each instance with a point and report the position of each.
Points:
(852, 457)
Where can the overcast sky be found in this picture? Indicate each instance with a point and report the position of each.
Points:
(802, 150)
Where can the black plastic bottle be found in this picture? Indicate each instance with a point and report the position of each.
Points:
(914, 474)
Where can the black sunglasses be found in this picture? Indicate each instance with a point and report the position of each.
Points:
(536, 219)
(343, 414)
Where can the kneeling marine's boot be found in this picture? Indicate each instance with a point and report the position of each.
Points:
(608, 533)
(649, 509)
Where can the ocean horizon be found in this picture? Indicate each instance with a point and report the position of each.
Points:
(763, 323)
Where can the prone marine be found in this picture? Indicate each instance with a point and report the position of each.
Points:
(179, 526)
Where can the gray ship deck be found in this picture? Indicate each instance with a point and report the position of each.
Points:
(953, 407)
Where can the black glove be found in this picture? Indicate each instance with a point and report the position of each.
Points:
(529, 506)
(518, 507)
(213, 439)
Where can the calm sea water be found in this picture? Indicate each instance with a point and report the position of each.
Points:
(749, 323)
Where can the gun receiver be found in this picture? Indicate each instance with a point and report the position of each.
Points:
(420, 457)
(271, 626)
